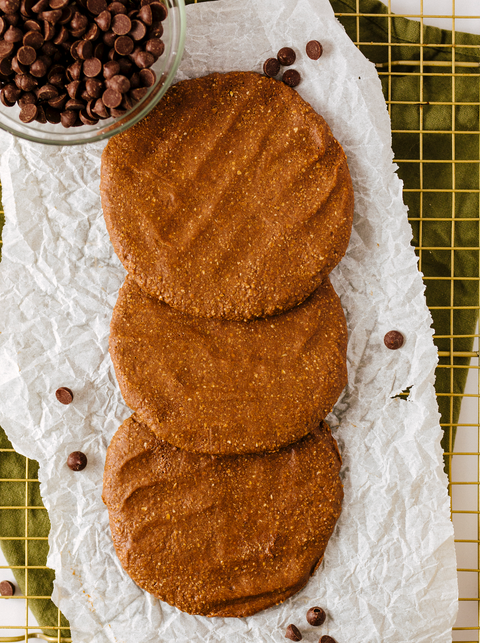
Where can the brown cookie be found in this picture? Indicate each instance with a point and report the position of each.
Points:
(220, 386)
(231, 199)
(221, 535)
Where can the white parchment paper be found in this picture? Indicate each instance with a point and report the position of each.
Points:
(389, 570)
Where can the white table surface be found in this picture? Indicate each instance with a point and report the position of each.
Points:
(464, 468)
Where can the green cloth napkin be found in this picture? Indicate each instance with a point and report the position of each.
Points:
(434, 204)
(446, 129)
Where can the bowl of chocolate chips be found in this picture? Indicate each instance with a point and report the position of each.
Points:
(78, 71)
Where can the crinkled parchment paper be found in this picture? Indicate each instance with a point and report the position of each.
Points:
(389, 570)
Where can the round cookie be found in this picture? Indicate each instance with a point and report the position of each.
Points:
(219, 386)
(221, 535)
(231, 199)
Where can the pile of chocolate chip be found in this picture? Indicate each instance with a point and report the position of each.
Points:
(75, 62)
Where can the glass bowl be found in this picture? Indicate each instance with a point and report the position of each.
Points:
(165, 69)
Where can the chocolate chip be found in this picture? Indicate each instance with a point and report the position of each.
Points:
(111, 98)
(316, 616)
(96, 6)
(12, 19)
(144, 59)
(58, 102)
(100, 109)
(77, 461)
(327, 639)
(33, 39)
(73, 49)
(64, 394)
(3, 25)
(4, 99)
(116, 8)
(28, 113)
(138, 94)
(72, 88)
(13, 34)
(121, 24)
(79, 21)
(110, 69)
(56, 75)
(74, 71)
(40, 6)
(58, 4)
(6, 49)
(9, 6)
(48, 30)
(74, 104)
(271, 67)
(40, 117)
(68, 118)
(6, 67)
(394, 340)
(145, 15)
(293, 633)
(314, 49)
(138, 30)
(159, 11)
(155, 47)
(7, 588)
(87, 119)
(99, 50)
(93, 32)
(25, 82)
(39, 68)
(12, 93)
(67, 15)
(52, 115)
(47, 92)
(120, 84)
(124, 45)
(291, 77)
(32, 25)
(286, 56)
(94, 87)
(92, 67)
(126, 65)
(104, 20)
(147, 77)
(109, 38)
(62, 36)
(52, 16)
(85, 50)
(27, 98)
(156, 30)
(117, 112)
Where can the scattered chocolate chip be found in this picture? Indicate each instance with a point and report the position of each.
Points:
(99, 109)
(6, 67)
(52, 16)
(316, 616)
(28, 113)
(291, 77)
(11, 92)
(74, 104)
(116, 8)
(31, 25)
(286, 56)
(58, 4)
(145, 15)
(120, 84)
(27, 98)
(314, 49)
(271, 67)
(138, 93)
(87, 119)
(327, 639)
(94, 87)
(58, 102)
(393, 340)
(159, 11)
(77, 461)
(40, 117)
(156, 30)
(74, 71)
(6, 49)
(4, 99)
(7, 588)
(48, 30)
(26, 55)
(13, 34)
(64, 394)
(25, 82)
(9, 6)
(293, 633)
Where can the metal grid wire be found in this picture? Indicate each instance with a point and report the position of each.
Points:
(465, 506)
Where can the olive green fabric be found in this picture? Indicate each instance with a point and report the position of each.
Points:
(438, 143)
(434, 204)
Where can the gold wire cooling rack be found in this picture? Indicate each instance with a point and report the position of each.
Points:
(463, 458)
